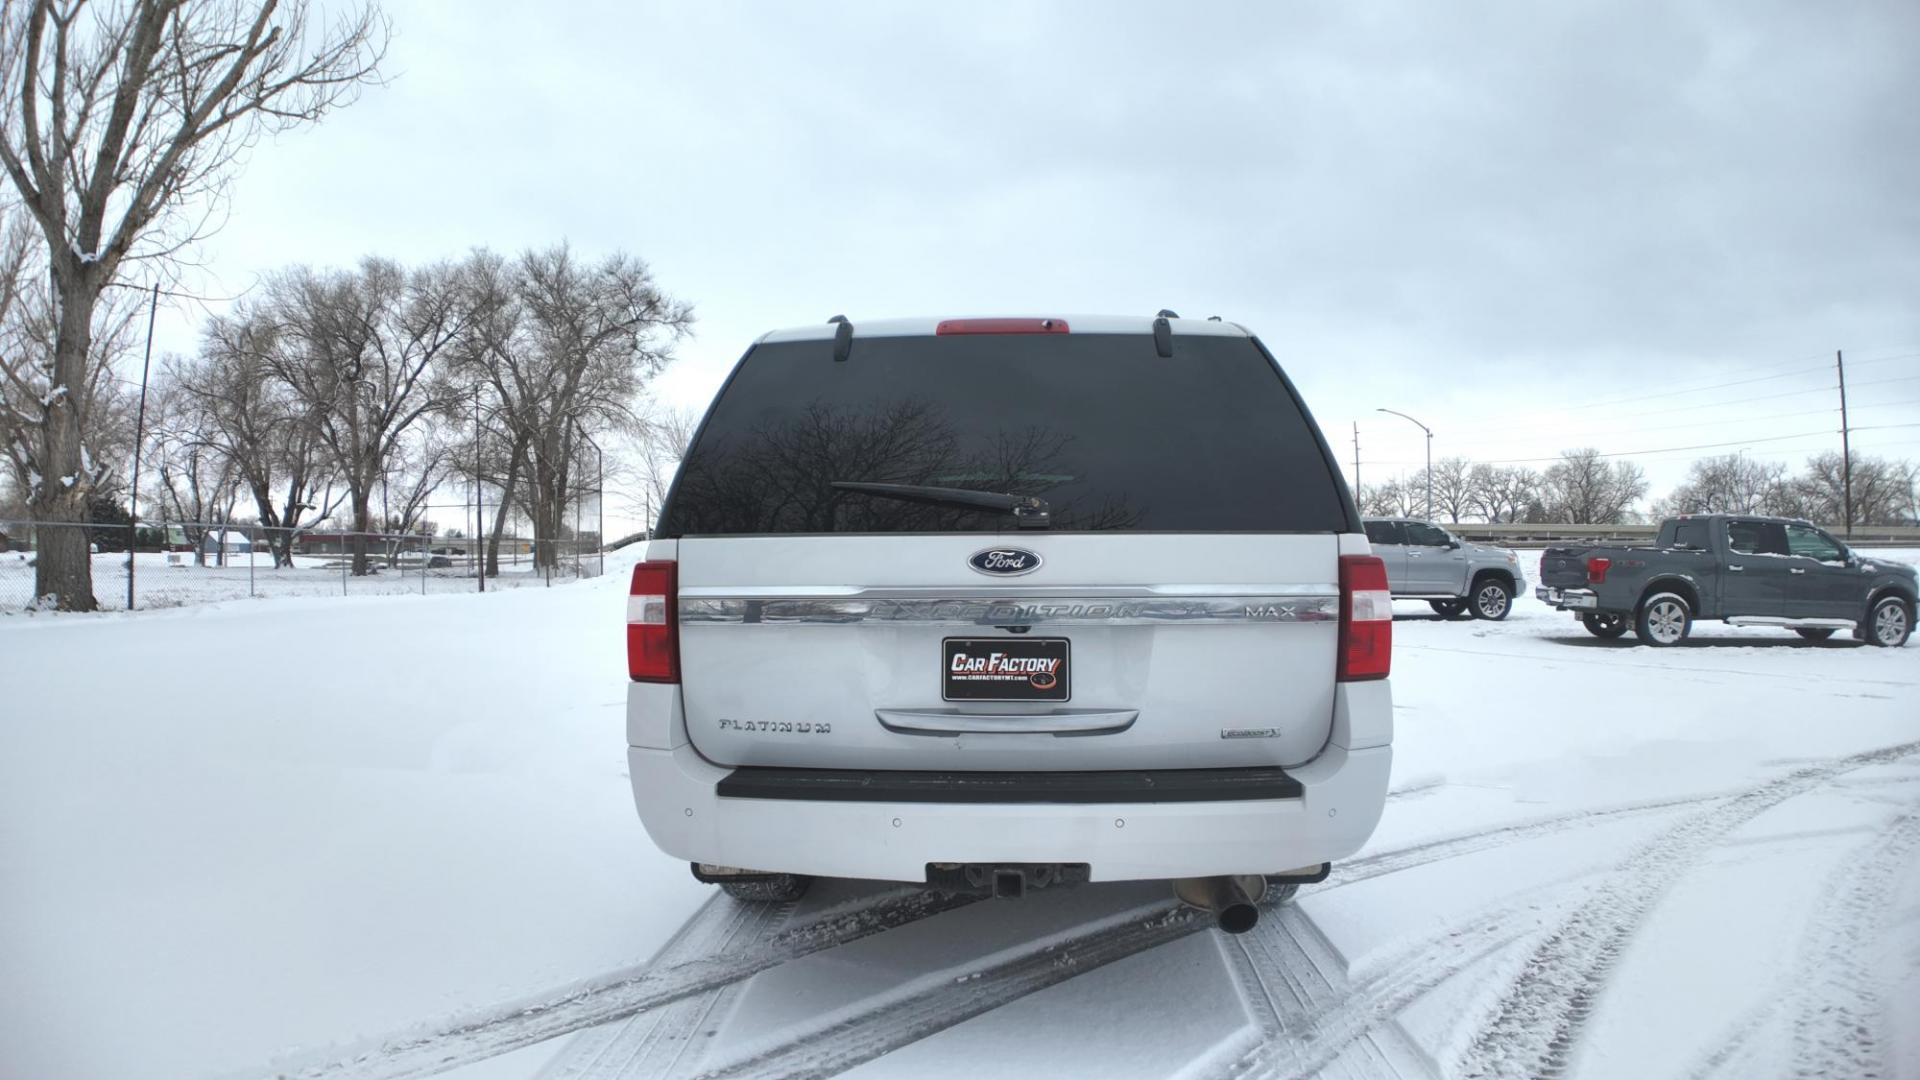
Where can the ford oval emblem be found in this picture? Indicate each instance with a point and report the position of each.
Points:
(1005, 562)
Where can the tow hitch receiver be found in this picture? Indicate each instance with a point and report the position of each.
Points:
(1004, 881)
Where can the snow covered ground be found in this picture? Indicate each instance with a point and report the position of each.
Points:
(383, 836)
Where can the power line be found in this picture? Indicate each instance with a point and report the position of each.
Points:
(1696, 389)
(1698, 406)
(1703, 423)
(1676, 449)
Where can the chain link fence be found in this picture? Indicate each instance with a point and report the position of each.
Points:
(174, 563)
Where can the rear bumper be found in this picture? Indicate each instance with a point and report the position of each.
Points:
(1567, 599)
(1341, 795)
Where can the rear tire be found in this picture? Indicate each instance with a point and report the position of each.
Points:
(1448, 609)
(1492, 599)
(1664, 619)
(776, 888)
(1814, 633)
(1278, 894)
(1605, 625)
(1889, 623)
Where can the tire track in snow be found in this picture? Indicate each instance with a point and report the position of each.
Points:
(1831, 988)
(685, 968)
(1406, 858)
(1313, 1040)
(1538, 1022)
(699, 966)
(1012, 980)
(941, 999)
(1294, 980)
(654, 1042)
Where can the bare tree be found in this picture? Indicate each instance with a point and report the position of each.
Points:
(122, 125)
(256, 420)
(557, 346)
(1883, 491)
(1502, 494)
(420, 464)
(361, 351)
(1584, 488)
(1392, 499)
(30, 394)
(1452, 487)
(662, 445)
(1729, 484)
(196, 478)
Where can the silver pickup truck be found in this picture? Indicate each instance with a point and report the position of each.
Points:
(1425, 562)
(1749, 571)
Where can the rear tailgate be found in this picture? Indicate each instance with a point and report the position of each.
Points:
(1165, 661)
(1564, 568)
(1179, 609)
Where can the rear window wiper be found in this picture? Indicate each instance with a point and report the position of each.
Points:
(1029, 511)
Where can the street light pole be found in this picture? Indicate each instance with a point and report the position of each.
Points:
(1429, 432)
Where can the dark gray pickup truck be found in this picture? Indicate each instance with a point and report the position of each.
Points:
(1748, 571)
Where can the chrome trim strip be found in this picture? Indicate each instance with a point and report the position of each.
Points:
(987, 590)
(955, 722)
(1014, 611)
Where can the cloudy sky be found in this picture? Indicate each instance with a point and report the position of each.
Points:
(1631, 226)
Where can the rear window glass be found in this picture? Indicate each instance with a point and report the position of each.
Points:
(1112, 435)
(1757, 537)
(1383, 532)
(1691, 534)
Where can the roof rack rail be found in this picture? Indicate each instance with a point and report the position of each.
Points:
(1163, 333)
(1168, 313)
(842, 338)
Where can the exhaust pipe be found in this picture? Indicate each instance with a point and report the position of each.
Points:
(1231, 898)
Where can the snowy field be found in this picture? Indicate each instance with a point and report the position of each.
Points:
(163, 583)
(359, 837)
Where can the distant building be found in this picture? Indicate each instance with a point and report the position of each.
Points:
(227, 540)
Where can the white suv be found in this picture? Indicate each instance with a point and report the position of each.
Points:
(1000, 603)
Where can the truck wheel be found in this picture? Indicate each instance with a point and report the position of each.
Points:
(1492, 599)
(1814, 633)
(1664, 619)
(1448, 609)
(1889, 624)
(773, 888)
(1604, 625)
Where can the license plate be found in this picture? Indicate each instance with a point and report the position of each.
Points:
(1004, 669)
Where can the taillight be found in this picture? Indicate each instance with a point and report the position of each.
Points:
(653, 630)
(1366, 619)
(1001, 326)
(1597, 568)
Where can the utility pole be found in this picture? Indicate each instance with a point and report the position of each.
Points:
(479, 510)
(1356, 462)
(139, 434)
(1846, 450)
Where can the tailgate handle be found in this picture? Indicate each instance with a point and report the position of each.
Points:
(954, 722)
